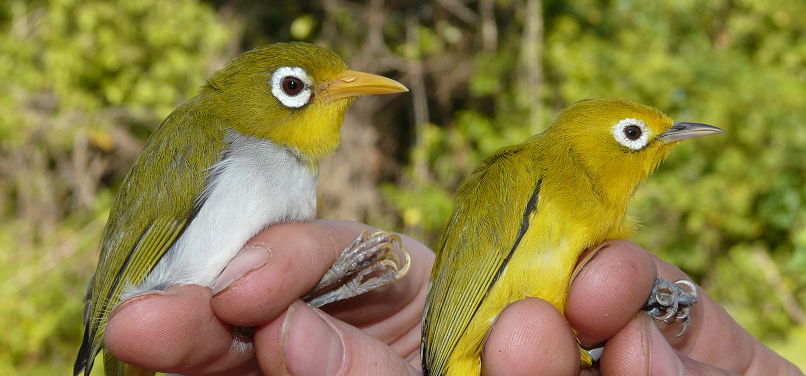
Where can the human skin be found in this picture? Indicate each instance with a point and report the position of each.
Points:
(189, 329)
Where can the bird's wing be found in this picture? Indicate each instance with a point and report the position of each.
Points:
(490, 216)
(157, 201)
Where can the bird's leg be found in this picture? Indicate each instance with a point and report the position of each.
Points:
(371, 261)
(670, 302)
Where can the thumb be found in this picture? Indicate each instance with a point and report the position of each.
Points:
(306, 341)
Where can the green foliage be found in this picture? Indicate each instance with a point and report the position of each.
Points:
(730, 209)
(85, 81)
(80, 80)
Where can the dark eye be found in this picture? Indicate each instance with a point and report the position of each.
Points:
(292, 85)
(632, 132)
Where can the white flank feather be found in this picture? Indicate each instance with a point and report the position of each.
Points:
(257, 184)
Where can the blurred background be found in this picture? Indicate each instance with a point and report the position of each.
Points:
(84, 82)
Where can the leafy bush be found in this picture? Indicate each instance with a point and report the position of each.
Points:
(85, 81)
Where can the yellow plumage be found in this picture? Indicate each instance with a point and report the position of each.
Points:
(521, 220)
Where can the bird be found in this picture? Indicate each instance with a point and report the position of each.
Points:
(238, 157)
(523, 217)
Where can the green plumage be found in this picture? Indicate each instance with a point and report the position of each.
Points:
(265, 119)
(156, 202)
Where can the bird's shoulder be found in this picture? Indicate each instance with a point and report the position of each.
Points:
(489, 199)
(172, 167)
(165, 181)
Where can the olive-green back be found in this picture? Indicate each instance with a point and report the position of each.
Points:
(158, 199)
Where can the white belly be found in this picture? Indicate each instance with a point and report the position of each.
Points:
(256, 184)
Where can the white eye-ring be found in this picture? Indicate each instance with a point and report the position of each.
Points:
(291, 86)
(632, 133)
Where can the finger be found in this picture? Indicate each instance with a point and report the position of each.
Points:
(641, 349)
(712, 327)
(530, 337)
(300, 255)
(610, 289)
(175, 331)
(615, 285)
(401, 331)
(307, 341)
(381, 313)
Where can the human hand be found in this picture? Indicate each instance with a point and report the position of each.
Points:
(605, 304)
(189, 330)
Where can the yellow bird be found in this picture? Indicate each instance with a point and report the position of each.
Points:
(521, 220)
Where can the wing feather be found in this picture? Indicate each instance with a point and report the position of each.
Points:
(157, 201)
(474, 249)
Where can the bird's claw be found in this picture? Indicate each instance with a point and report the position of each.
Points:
(371, 261)
(670, 302)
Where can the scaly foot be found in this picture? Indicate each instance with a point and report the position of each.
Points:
(670, 302)
(371, 261)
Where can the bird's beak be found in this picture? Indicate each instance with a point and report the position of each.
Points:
(682, 131)
(353, 84)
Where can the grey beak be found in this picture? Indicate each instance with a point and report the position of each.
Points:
(682, 131)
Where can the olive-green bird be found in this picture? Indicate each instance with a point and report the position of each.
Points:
(238, 157)
(521, 220)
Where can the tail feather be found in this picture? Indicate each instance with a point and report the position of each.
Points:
(86, 356)
(114, 367)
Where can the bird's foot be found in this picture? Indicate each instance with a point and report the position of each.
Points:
(371, 261)
(671, 302)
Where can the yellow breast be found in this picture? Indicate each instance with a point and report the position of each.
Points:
(541, 266)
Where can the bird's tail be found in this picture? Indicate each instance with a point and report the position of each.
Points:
(114, 367)
(86, 356)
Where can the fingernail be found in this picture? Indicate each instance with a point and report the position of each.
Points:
(595, 251)
(247, 259)
(662, 357)
(585, 259)
(313, 346)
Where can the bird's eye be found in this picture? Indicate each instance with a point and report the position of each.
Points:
(291, 86)
(632, 133)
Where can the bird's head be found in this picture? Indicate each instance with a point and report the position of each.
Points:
(618, 142)
(294, 94)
